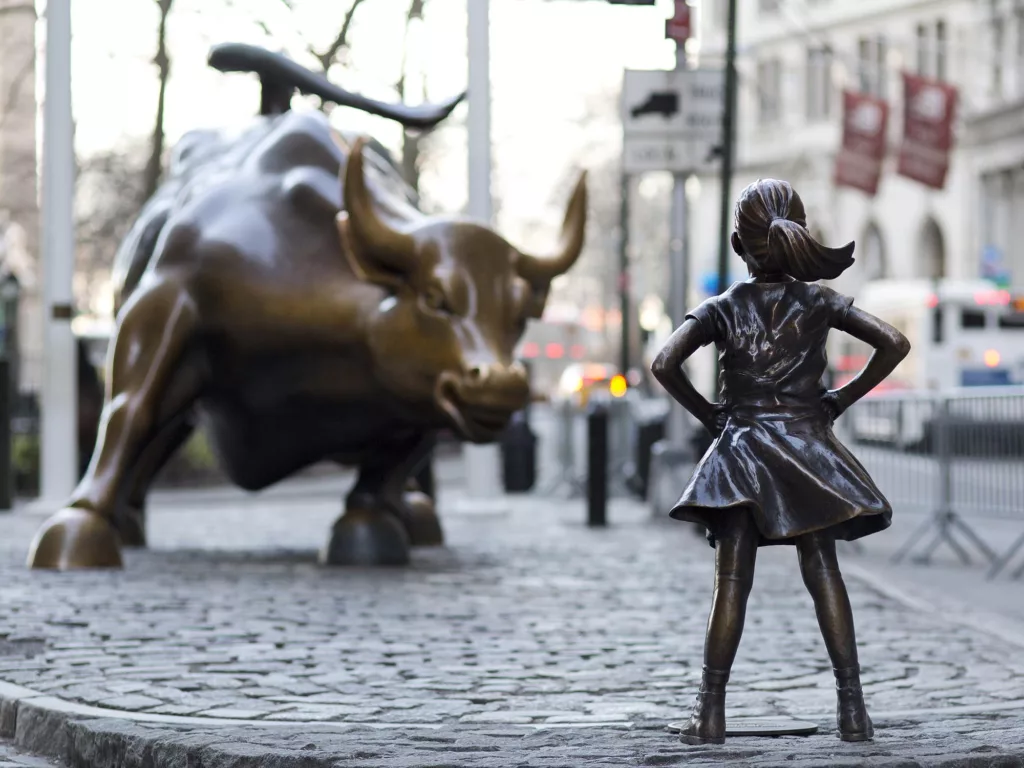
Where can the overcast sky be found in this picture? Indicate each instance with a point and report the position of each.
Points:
(550, 59)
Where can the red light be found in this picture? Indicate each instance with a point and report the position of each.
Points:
(554, 350)
(531, 349)
(992, 297)
(933, 301)
(577, 351)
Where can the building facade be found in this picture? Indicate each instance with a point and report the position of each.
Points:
(794, 60)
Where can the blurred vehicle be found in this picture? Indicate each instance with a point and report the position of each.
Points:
(965, 335)
(579, 382)
(551, 347)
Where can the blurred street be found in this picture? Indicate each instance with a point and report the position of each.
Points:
(529, 639)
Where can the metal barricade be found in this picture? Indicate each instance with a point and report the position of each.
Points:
(568, 478)
(571, 445)
(957, 457)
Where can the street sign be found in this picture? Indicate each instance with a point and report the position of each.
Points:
(672, 119)
(678, 27)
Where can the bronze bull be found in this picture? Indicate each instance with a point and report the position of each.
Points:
(282, 290)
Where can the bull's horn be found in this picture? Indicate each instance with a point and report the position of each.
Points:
(540, 270)
(392, 248)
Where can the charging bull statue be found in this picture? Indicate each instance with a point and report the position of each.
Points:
(282, 290)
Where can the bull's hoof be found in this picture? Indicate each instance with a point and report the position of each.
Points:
(367, 537)
(131, 527)
(421, 522)
(75, 538)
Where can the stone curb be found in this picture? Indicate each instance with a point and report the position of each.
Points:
(96, 737)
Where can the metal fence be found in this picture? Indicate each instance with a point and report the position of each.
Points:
(565, 424)
(957, 457)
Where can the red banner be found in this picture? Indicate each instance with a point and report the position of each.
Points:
(859, 161)
(929, 108)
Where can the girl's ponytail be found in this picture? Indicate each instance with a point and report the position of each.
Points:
(772, 227)
(792, 249)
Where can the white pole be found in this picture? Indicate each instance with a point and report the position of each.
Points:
(59, 449)
(482, 462)
(478, 123)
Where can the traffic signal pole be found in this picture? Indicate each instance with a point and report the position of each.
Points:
(728, 155)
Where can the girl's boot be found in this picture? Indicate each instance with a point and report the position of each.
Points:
(851, 714)
(707, 723)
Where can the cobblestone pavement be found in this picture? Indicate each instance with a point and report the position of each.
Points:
(529, 640)
(10, 757)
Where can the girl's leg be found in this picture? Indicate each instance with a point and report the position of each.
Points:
(735, 552)
(820, 569)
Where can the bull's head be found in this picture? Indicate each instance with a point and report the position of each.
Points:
(458, 300)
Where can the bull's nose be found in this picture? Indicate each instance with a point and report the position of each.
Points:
(503, 383)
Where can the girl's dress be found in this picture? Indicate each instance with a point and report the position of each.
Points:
(777, 454)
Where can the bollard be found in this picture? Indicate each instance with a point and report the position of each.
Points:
(6, 458)
(519, 455)
(597, 464)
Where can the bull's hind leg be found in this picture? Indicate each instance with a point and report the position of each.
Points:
(375, 529)
(419, 501)
(130, 517)
(148, 388)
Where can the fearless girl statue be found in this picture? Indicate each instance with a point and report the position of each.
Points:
(775, 473)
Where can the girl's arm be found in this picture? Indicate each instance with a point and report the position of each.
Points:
(668, 370)
(890, 345)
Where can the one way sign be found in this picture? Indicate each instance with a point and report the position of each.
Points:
(671, 119)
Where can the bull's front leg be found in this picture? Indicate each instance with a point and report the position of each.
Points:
(149, 386)
(383, 518)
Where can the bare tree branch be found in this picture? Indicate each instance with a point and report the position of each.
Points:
(154, 166)
(410, 141)
(27, 68)
(326, 58)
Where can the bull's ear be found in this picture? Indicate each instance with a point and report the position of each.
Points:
(365, 268)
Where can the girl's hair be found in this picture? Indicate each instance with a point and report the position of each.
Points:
(772, 226)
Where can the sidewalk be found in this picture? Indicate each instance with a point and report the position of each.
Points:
(529, 640)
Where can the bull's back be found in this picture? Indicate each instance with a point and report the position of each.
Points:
(280, 174)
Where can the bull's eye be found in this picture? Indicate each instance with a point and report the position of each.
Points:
(435, 300)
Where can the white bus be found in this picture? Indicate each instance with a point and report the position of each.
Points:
(964, 334)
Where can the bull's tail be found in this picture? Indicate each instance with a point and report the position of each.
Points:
(280, 77)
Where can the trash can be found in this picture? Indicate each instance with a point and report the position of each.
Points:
(519, 455)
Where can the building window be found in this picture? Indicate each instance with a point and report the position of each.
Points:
(1019, 19)
(769, 90)
(922, 50)
(864, 65)
(819, 83)
(719, 12)
(941, 49)
(998, 38)
(881, 70)
(872, 70)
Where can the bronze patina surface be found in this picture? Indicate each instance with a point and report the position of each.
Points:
(283, 290)
(775, 473)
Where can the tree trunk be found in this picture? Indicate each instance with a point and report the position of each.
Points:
(154, 165)
(410, 141)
